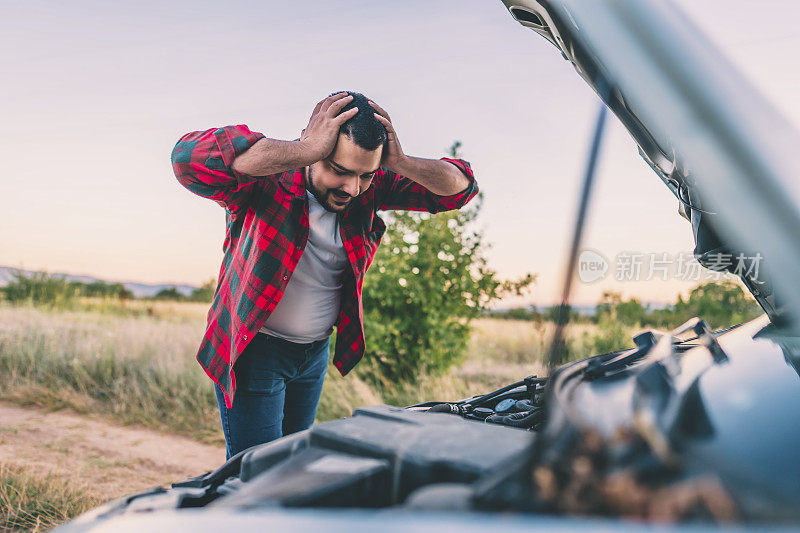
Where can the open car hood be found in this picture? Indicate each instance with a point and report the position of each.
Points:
(720, 147)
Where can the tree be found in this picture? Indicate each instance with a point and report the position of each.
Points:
(204, 293)
(170, 293)
(40, 288)
(529, 312)
(614, 307)
(720, 304)
(429, 279)
(101, 289)
(553, 313)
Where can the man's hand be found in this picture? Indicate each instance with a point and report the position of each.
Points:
(319, 137)
(393, 156)
(271, 156)
(439, 177)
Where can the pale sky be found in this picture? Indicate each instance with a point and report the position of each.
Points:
(95, 95)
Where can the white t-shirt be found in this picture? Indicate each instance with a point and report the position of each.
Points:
(310, 304)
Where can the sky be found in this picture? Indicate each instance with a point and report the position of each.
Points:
(95, 95)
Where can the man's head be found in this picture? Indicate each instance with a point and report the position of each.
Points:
(347, 172)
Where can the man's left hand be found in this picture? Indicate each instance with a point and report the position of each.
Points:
(393, 156)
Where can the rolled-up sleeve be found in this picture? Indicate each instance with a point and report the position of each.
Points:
(399, 192)
(202, 162)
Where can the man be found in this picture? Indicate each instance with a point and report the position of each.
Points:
(302, 230)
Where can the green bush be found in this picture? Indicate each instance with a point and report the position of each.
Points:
(204, 293)
(613, 308)
(41, 288)
(719, 303)
(51, 290)
(171, 294)
(101, 289)
(530, 313)
(613, 335)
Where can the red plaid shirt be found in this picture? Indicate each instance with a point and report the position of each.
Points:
(267, 230)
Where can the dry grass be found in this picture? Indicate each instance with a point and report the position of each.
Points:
(500, 352)
(137, 366)
(164, 310)
(136, 369)
(520, 341)
(37, 502)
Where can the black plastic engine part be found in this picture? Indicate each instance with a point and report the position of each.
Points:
(419, 448)
(318, 478)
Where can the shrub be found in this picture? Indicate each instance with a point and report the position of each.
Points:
(41, 288)
(170, 293)
(204, 293)
(719, 303)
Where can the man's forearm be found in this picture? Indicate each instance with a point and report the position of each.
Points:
(439, 177)
(271, 156)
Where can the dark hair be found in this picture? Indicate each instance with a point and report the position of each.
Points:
(363, 128)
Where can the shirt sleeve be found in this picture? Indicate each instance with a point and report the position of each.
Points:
(399, 192)
(202, 162)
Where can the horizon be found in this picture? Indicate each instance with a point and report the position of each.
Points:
(498, 305)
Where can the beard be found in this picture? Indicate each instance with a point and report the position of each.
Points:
(324, 196)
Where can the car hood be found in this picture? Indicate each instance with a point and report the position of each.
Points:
(721, 148)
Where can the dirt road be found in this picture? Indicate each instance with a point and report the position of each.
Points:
(104, 459)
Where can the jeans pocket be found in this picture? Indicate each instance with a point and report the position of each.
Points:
(264, 385)
(261, 376)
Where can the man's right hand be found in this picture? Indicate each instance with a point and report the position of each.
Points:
(271, 156)
(319, 137)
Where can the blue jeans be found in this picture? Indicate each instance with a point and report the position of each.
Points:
(278, 386)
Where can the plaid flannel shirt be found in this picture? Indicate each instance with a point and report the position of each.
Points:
(266, 232)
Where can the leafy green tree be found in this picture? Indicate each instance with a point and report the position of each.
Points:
(517, 313)
(614, 307)
(101, 289)
(204, 293)
(170, 293)
(720, 304)
(552, 314)
(429, 279)
(612, 335)
(40, 288)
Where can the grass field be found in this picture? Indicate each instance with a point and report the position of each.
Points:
(37, 502)
(135, 364)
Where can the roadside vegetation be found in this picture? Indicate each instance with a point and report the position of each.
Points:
(140, 368)
(720, 303)
(133, 360)
(57, 292)
(37, 502)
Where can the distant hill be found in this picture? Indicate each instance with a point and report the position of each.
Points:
(139, 290)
